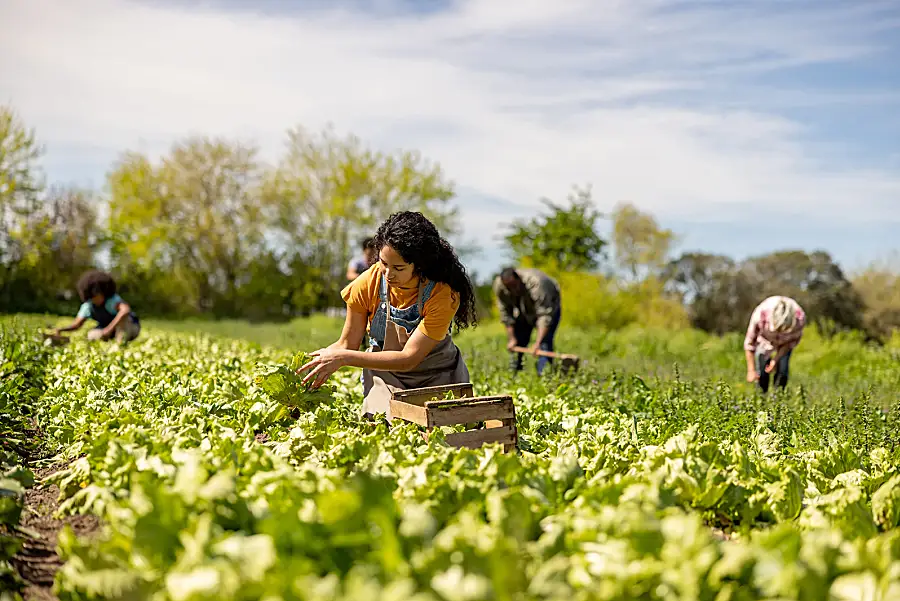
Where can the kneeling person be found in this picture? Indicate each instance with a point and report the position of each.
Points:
(101, 303)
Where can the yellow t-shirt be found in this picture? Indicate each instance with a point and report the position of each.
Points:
(362, 296)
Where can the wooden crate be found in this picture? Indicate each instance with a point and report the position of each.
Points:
(569, 363)
(429, 408)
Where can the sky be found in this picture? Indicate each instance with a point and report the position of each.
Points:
(745, 127)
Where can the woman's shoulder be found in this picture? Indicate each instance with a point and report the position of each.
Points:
(442, 293)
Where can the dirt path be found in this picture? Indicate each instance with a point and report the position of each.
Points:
(37, 561)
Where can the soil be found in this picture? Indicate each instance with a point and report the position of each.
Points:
(37, 560)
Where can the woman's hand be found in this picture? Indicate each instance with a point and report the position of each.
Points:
(752, 376)
(776, 357)
(325, 362)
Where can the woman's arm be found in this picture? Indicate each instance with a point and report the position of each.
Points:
(416, 349)
(123, 310)
(327, 361)
(777, 354)
(353, 332)
(750, 345)
(752, 376)
(75, 325)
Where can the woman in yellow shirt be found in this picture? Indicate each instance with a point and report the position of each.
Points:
(407, 301)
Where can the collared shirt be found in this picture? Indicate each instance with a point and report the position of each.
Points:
(537, 305)
(761, 338)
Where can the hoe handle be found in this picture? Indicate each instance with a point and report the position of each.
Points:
(552, 355)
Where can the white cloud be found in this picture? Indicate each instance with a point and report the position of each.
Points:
(515, 100)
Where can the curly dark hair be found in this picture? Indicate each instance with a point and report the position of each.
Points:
(510, 273)
(94, 282)
(417, 240)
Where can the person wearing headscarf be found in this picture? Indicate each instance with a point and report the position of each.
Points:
(775, 329)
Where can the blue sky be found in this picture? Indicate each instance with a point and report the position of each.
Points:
(744, 126)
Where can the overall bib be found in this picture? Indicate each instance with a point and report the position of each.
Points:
(390, 329)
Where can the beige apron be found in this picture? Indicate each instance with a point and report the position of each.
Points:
(443, 365)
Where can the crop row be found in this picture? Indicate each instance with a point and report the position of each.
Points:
(210, 489)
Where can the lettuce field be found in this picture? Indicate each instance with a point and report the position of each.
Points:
(654, 472)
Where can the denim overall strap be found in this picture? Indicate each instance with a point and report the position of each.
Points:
(408, 318)
(386, 303)
(424, 295)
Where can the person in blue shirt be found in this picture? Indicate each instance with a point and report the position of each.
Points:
(101, 303)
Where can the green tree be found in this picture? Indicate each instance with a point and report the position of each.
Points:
(879, 286)
(640, 246)
(566, 239)
(717, 294)
(193, 225)
(58, 242)
(815, 280)
(21, 183)
(720, 294)
(329, 191)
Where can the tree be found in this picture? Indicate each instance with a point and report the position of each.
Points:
(879, 286)
(564, 240)
(58, 241)
(721, 294)
(21, 182)
(194, 224)
(330, 191)
(717, 294)
(640, 245)
(814, 280)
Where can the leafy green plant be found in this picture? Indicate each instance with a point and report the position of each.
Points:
(284, 385)
(635, 478)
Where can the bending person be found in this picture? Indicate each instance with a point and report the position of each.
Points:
(408, 302)
(527, 298)
(776, 326)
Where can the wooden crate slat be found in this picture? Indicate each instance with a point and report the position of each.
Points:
(473, 439)
(511, 424)
(409, 412)
(478, 410)
(443, 388)
(442, 404)
(419, 396)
